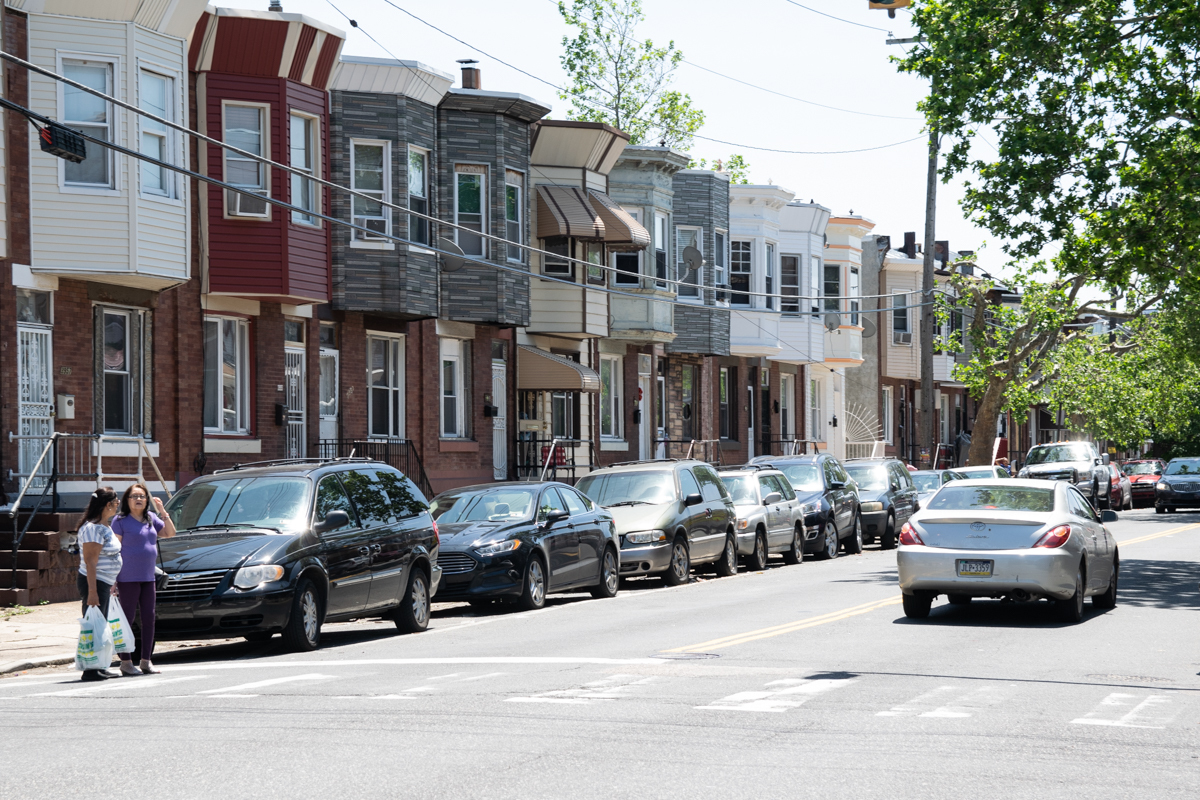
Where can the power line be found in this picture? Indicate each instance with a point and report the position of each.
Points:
(839, 19)
(807, 152)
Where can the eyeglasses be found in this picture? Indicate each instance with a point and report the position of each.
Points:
(137, 497)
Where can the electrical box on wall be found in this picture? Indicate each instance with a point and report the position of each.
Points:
(66, 406)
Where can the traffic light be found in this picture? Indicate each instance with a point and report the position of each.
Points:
(63, 142)
(889, 5)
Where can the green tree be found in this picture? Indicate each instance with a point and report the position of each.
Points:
(735, 165)
(618, 80)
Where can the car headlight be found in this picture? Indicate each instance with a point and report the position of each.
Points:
(496, 548)
(811, 508)
(645, 537)
(871, 506)
(743, 524)
(250, 577)
(1165, 487)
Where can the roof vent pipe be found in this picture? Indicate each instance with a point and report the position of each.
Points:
(470, 74)
(910, 244)
(276, 6)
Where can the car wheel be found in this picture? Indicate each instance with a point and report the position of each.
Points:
(259, 636)
(1159, 509)
(728, 563)
(303, 630)
(681, 562)
(758, 559)
(959, 599)
(795, 553)
(610, 575)
(917, 607)
(413, 614)
(831, 543)
(533, 593)
(1109, 598)
(854, 544)
(1170, 509)
(1071, 609)
(888, 540)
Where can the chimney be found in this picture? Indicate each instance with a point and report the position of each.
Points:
(470, 74)
(941, 251)
(276, 6)
(910, 244)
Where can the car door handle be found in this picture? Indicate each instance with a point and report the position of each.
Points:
(366, 551)
(378, 548)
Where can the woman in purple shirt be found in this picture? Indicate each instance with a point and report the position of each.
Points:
(138, 528)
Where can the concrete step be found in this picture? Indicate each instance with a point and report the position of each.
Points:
(38, 559)
(14, 597)
(38, 540)
(30, 597)
(40, 578)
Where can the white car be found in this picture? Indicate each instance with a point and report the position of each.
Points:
(1021, 539)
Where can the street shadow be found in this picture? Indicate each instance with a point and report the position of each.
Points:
(886, 577)
(987, 613)
(1159, 584)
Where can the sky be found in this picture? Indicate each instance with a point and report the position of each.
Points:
(775, 44)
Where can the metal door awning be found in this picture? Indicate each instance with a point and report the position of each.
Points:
(621, 230)
(565, 211)
(542, 371)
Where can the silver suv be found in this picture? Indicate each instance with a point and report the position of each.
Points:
(670, 516)
(1077, 462)
(769, 517)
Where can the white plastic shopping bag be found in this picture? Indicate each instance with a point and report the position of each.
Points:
(95, 650)
(122, 631)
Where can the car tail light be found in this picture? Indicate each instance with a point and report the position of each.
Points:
(1055, 537)
(909, 536)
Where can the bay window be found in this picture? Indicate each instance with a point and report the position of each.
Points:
(789, 284)
(470, 193)
(514, 214)
(369, 168)
(686, 237)
(833, 288)
(156, 95)
(91, 115)
(418, 194)
(245, 129)
(660, 250)
(739, 273)
(769, 274)
(302, 147)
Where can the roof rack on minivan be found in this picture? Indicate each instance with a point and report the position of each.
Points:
(646, 461)
(762, 465)
(282, 462)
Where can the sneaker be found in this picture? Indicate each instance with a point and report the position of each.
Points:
(129, 670)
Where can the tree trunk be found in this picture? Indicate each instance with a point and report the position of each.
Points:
(983, 437)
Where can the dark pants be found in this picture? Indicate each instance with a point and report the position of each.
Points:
(139, 596)
(103, 593)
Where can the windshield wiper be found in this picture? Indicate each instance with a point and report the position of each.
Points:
(227, 525)
(630, 503)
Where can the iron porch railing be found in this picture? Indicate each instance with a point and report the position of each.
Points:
(398, 453)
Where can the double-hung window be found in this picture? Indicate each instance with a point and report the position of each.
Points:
(514, 215)
(900, 314)
(226, 375)
(385, 381)
(418, 194)
(814, 285)
(470, 193)
(719, 263)
(816, 421)
(660, 250)
(833, 288)
(686, 237)
(739, 273)
(885, 404)
(769, 274)
(726, 389)
(854, 289)
(593, 253)
(627, 267)
(89, 114)
(611, 376)
(555, 262)
(789, 284)
(157, 96)
(303, 151)
(369, 168)
(245, 129)
(453, 388)
(117, 384)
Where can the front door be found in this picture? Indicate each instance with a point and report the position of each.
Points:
(660, 416)
(328, 390)
(500, 421)
(36, 391)
(296, 389)
(750, 410)
(346, 551)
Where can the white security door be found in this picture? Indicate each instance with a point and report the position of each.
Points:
(644, 425)
(294, 385)
(500, 422)
(36, 402)
(787, 420)
(660, 416)
(749, 422)
(328, 396)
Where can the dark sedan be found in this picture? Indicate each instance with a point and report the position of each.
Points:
(829, 500)
(1178, 486)
(887, 497)
(521, 541)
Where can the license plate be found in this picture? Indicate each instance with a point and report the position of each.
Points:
(974, 569)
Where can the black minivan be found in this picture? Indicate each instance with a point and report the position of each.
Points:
(282, 547)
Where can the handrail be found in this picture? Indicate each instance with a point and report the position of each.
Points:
(550, 453)
(14, 509)
(16, 504)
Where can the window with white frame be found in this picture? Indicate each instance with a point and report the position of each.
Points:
(385, 383)
(900, 314)
(226, 375)
(370, 175)
(157, 96)
(739, 273)
(418, 194)
(787, 396)
(514, 214)
(816, 421)
(854, 292)
(789, 284)
(660, 250)
(885, 405)
(89, 114)
(627, 267)
(611, 377)
(720, 260)
(470, 207)
(814, 285)
(726, 401)
(685, 237)
(303, 147)
(769, 274)
(117, 384)
(593, 253)
(833, 288)
(245, 129)
(453, 388)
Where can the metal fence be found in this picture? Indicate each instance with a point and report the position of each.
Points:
(398, 453)
(701, 449)
(565, 460)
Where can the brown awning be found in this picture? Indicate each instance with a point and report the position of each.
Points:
(565, 211)
(542, 371)
(621, 231)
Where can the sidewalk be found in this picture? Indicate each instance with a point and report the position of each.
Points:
(38, 636)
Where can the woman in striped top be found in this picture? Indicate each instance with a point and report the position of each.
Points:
(100, 560)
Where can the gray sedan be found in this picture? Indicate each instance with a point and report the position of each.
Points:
(1021, 539)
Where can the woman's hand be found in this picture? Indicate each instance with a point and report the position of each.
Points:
(114, 591)
(93, 598)
(158, 506)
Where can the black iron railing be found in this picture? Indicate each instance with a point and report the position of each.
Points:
(700, 449)
(398, 453)
(565, 460)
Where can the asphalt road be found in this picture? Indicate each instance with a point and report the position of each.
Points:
(812, 684)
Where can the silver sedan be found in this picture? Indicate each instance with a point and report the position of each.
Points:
(1021, 539)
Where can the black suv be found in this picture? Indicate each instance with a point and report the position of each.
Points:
(284, 546)
(829, 501)
(887, 497)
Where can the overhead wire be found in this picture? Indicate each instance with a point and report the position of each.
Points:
(839, 19)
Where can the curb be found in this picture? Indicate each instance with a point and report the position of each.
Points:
(34, 663)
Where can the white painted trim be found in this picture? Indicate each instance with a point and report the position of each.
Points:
(289, 48)
(230, 305)
(614, 444)
(124, 449)
(87, 487)
(212, 445)
(296, 311)
(23, 277)
(455, 330)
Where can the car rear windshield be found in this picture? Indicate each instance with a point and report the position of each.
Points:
(629, 488)
(992, 498)
(977, 472)
(804, 477)
(1184, 466)
(927, 481)
(267, 502)
(742, 488)
(505, 505)
(1141, 468)
(873, 478)
(1059, 452)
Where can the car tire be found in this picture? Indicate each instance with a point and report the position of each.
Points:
(1159, 509)
(412, 615)
(533, 586)
(1170, 509)
(959, 599)
(1096, 496)
(888, 540)
(610, 575)
(854, 545)
(727, 564)
(303, 630)
(258, 636)
(832, 543)
(1071, 609)
(1109, 598)
(917, 607)
(795, 553)
(758, 557)
(681, 563)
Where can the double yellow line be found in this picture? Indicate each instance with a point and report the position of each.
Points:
(1159, 535)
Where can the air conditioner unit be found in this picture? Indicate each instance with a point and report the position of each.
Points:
(901, 338)
(246, 205)
(377, 227)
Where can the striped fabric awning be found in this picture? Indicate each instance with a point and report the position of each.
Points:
(544, 371)
(565, 211)
(621, 231)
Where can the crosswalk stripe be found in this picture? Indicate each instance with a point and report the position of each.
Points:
(795, 693)
(122, 684)
(234, 691)
(1135, 717)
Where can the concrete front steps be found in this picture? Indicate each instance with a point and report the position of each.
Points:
(44, 570)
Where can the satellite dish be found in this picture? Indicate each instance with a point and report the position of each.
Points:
(693, 259)
(452, 259)
(868, 328)
(833, 321)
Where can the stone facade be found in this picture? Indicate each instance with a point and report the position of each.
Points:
(702, 200)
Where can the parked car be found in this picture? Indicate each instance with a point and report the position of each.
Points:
(887, 497)
(1178, 486)
(1075, 462)
(670, 516)
(829, 500)
(974, 473)
(1017, 539)
(1120, 489)
(1143, 475)
(769, 517)
(928, 481)
(523, 541)
(283, 547)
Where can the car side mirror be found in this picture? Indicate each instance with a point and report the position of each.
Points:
(1158, 472)
(773, 497)
(837, 484)
(1107, 516)
(693, 499)
(552, 517)
(1104, 459)
(333, 520)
